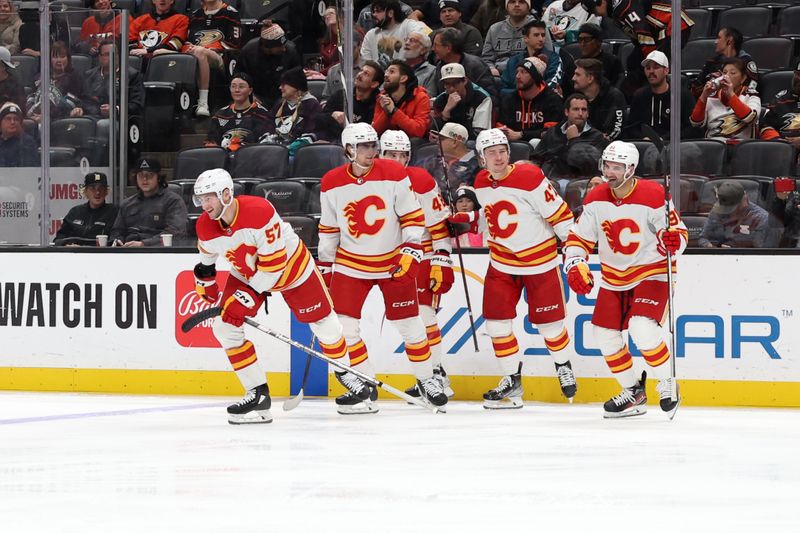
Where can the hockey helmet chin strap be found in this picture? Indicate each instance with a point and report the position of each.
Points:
(629, 172)
(353, 159)
(224, 205)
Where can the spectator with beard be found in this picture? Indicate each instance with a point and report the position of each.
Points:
(242, 122)
(448, 47)
(367, 84)
(366, 21)
(534, 35)
(402, 104)
(384, 42)
(606, 103)
(462, 102)
(532, 109)
(416, 48)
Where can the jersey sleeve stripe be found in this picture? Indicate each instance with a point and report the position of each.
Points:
(414, 218)
(563, 214)
(328, 229)
(574, 240)
(439, 231)
(272, 263)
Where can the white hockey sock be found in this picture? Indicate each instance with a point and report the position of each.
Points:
(202, 97)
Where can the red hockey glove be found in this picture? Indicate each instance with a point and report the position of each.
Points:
(669, 240)
(205, 282)
(241, 303)
(326, 269)
(463, 217)
(579, 277)
(406, 262)
(441, 272)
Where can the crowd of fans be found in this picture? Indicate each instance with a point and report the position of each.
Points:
(545, 72)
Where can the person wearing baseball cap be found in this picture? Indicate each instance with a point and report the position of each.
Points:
(450, 12)
(11, 90)
(462, 163)
(527, 113)
(83, 223)
(462, 102)
(504, 38)
(266, 59)
(17, 148)
(154, 210)
(651, 104)
(734, 222)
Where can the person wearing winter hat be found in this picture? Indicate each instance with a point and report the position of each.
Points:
(466, 201)
(533, 108)
(17, 148)
(534, 35)
(293, 116)
(504, 38)
(266, 59)
(450, 12)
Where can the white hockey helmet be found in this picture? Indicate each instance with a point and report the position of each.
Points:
(394, 141)
(214, 181)
(357, 133)
(490, 137)
(621, 152)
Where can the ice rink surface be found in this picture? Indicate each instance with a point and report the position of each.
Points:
(91, 462)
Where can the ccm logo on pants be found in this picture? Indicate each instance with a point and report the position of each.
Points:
(547, 308)
(646, 301)
(309, 309)
(407, 303)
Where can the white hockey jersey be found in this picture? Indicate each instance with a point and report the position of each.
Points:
(262, 249)
(366, 219)
(435, 236)
(625, 231)
(521, 215)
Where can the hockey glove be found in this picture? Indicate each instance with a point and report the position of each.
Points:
(441, 279)
(326, 269)
(241, 303)
(463, 217)
(579, 277)
(406, 262)
(669, 240)
(205, 282)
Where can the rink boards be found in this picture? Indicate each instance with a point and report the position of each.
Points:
(110, 322)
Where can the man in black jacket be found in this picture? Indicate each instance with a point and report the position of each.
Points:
(448, 47)
(266, 59)
(85, 222)
(95, 84)
(527, 113)
(606, 103)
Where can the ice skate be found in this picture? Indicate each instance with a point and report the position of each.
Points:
(507, 395)
(630, 402)
(566, 378)
(360, 398)
(664, 388)
(431, 391)
(441, 375)
(253, 408)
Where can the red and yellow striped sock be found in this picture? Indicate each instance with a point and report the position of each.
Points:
(418, 352)
(505, 346)
(358, 353)
(620, 361)
(336, 350)
(657, 356)
(243, 356)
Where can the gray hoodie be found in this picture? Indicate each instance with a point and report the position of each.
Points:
(502, 41)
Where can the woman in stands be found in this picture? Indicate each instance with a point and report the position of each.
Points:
(65, 87)
(727, 109)
(9, 26)
(242, 122)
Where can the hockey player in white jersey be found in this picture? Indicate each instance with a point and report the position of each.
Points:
(521, 215)
(370, 233)
(625, 217)
(435, 274)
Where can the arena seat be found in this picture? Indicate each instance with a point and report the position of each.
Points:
(261, 161)
(74, 132)
(520, 151)
(316, 87)
(694, 224)
(423, 153)
(705, 157)
(763, 158)
(770, 53)
(289, 197)
(62, 156)
(81, 64)
(771, 83)
(574, 193)
(695, 54)
(314, 160)
(305, 228)
(752, 21)
(314, 206)
(752, 189)
(789, 21)
(27, 68)
(248, 184)
(191, 162)
(170, 92)
(702, 23)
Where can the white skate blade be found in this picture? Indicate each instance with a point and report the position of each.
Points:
(671, 412)
(449, 392)
(570, 399)
(634, 411)
(361, 408)
(437, 408)
(509, 402)
(253, 417)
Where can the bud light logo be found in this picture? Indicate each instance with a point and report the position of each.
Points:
(188, 303)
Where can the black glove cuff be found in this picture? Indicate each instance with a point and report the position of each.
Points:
(205, 271)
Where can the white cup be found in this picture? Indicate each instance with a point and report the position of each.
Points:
(166, 239)
(102, 240)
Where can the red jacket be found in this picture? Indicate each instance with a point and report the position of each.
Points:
(412, 115)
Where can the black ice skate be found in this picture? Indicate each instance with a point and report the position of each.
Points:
(630, 402)
(664, 388)
(441, 375)
(253, 408)
(566, 378)
(431, 391)
(507, 395)
(360, 398)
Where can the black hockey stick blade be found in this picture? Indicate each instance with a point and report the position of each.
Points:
(197, 318)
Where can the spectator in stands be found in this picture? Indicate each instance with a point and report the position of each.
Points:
(384, 42)
(727, 45)
(366, 21)
(329, 43)
(154, 210)
(402, 104)
(462, 102)
(488, 13)
(606, 103)
(651, 104)
(727, 109)
(243, 121)
(65, 88)
(504, 38)
(590, 42)
(782, 119)
(214, 28)
(265, 59)
(416, 48)
(29, 38)
(467, 202)
(17, 148)
(10, 24)
(95, 89)
(85, 222)
(448, 47)
(577, 210)
(785, 207)
(367, 84)
(736, 223)
(11, 89)
(533, 34)
(462, 162)
(564, 18)
(335, 78)
(572, 148)
(292, 119)
(162, 31)
(101, 25)
(450, 17)
(527, 113)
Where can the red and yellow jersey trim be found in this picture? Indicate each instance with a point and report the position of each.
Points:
(530, 257)
(439, 231)
(634, 274)
(328, 229)
(295, 267)
(274, 262)
(563, 214)
(365, 263)
(576, 240)
(414, 218)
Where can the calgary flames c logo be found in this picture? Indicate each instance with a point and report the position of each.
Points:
(614, 230)
(357, 212)
(493, 213)
(243, 260)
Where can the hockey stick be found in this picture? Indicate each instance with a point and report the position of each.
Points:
(291, 403)
(658, 142)
(211, 312)
(452, 205)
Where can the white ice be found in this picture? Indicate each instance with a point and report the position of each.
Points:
(90, 462)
